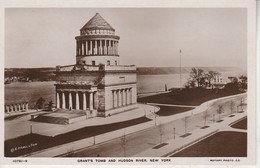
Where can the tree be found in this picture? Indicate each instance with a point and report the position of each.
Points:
(186, 120)
(40, 103)
(205, 115)
(220, 110)
(243, 83)
(233, 79)
(190, 84)
(210, 76)
(124, 143)
(50, 105)
(198, 76)
(232, 105)
(161, 132)
(241, 104)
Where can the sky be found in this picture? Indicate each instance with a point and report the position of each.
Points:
(149, 37)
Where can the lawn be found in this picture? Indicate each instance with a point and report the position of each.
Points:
(44, 142)
(241, 124)
(222, 144)
(192, 97)
(170, 110)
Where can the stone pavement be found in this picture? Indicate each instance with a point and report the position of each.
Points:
(173, 105)
(62, 149)
(21, 126)
(180, 143)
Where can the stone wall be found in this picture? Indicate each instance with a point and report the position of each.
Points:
(98, 59)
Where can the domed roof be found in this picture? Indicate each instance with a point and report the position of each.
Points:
(97, 22)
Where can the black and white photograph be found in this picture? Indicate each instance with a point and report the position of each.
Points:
(129, 84)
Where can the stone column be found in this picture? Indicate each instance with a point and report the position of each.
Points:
(77, 101)
(96, 48)
(57, 100)
(77, 48)
(63, 100)
(15, 108)
(23, 106)
(101, 47)
(80, 52)
(114, 47)
(87, 52)
(119, 98)
(114, 99)
(108, 47)
(26, 107)
(85, 48)
(91, 48)
(84, 100)
(130, 95)
(105, 48)
(117, 48)
(7, 108)
(111, 47)
(125, 91)
(70, 101)
(123, 98)
(91, 101)
(18, 107)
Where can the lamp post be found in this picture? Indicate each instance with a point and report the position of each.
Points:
(31, 128)
(180, 69)
(173, 133)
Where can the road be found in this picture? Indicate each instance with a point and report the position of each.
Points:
(142, 140)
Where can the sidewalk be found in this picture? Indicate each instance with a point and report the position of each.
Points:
(62, 149)
(197, 135)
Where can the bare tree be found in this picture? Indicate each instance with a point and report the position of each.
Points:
(205, 115)
(220, 110)
(241, 104)
(124, 143)
(160, 127)
(186, 120)
(232, 106)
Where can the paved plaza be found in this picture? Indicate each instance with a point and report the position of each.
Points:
(21, 126)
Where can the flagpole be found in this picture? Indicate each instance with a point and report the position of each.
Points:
(180, 69)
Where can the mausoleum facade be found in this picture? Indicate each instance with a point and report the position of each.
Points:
(97, 83)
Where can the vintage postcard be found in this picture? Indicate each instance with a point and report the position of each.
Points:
(128, 83)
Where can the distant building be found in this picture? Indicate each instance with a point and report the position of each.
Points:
(97, 83)
(218, 82)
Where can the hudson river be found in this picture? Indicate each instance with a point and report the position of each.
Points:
(31, 91)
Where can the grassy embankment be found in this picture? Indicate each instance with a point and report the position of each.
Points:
(192, 97)
(241, 124)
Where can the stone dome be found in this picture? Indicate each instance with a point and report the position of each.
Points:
(97, 23)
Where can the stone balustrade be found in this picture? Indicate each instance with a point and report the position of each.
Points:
(16, 107)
